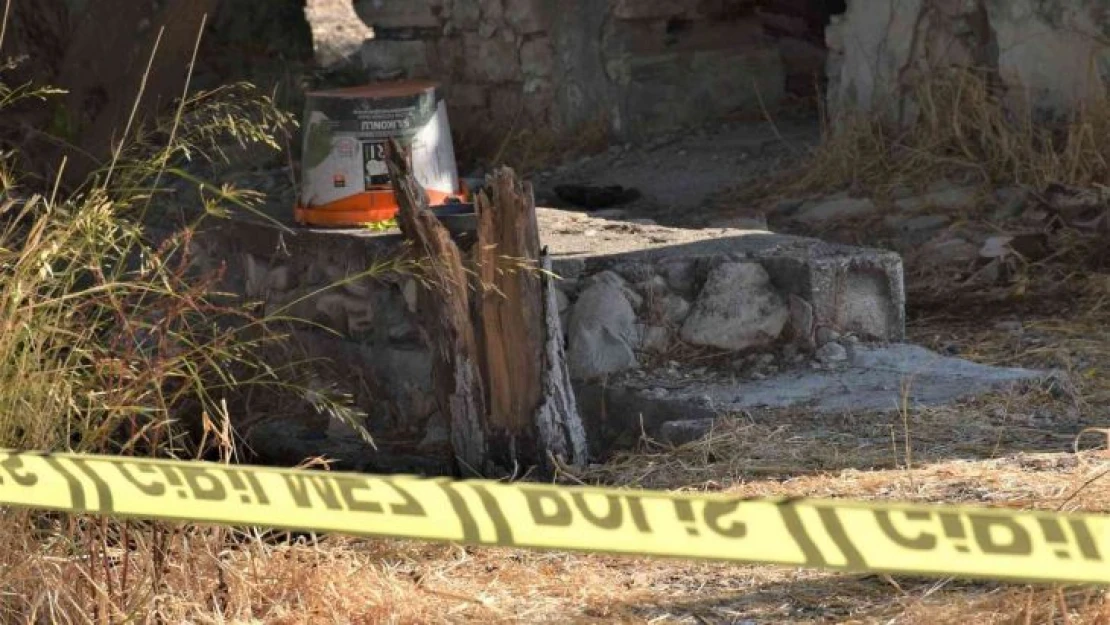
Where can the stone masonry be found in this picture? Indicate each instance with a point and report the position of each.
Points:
(1054, 54)
(632, 66)
(629, 294)
(641, 66)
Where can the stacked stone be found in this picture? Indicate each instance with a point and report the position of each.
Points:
(636, 66)
(494, 57)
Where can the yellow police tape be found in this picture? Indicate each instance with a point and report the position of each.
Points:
(845, 535)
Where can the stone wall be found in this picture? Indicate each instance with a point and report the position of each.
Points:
(633, 66)
(1053, 52)
(637, 295)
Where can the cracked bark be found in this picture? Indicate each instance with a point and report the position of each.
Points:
(499, 370)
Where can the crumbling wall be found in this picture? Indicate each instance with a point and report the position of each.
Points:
(1052, 54)
(734, 293)
(635, 66)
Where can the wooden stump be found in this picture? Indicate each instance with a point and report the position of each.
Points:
(443, 308)
(500, 374)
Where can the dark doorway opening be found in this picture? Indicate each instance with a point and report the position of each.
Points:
(798, 26)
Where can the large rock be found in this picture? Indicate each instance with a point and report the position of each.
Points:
(602, 332)
(738, 308)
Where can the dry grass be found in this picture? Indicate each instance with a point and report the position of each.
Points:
(1009, 449)
(964, 127)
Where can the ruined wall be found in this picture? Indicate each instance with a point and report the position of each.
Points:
(758, 298)
(633, 66)
(1051, 52)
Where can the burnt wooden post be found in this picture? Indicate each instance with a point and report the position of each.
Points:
(500, 373)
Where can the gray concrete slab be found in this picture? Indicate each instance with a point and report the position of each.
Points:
(875, 378)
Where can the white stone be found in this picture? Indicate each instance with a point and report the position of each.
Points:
(613, 279)
(602, 332)
(738, 308)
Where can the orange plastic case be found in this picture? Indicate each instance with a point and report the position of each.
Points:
(361, 209)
